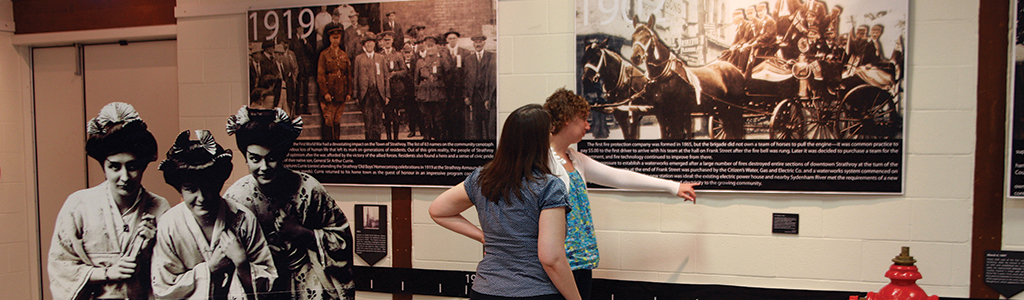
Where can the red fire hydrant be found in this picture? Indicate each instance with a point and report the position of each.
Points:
(903, 275)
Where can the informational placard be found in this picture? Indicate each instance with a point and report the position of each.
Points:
(761, 165)
(1004, 272)
(785, 223)
(390, 93)
(793, 96)
(371, 234)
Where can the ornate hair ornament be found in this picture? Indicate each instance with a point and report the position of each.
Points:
(183, 155)
(111, 114)
(238, 120)
(281, 118)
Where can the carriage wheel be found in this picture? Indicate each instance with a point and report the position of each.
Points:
(821, 121)
(716, 128)
(788, 121)
(868, 112)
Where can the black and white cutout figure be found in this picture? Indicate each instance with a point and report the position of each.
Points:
(102, 240)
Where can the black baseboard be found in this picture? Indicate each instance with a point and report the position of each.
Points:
(457, 284)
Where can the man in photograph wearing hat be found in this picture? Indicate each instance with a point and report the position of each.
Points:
(398, 76)
(413, 116)
(289, 67)
(454, 127)
(413, 36)
(372, 89)
(303, 50)
(430, 88)
(396, 28)
(481, 91)
(268, 73)
(333, 69)
(354, 34)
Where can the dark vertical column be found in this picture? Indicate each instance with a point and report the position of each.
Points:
(401, 228)
(989, 156)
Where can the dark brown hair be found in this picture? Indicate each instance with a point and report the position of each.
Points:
(522, 155)
(565, 106)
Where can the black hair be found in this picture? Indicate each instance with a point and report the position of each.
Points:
(270, 128)
(202, 161)
(118, 129)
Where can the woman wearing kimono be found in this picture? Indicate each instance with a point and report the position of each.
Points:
(207, 247)
(308, 234)
(102, 239)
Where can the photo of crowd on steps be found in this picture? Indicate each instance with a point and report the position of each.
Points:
(408, 70)
(743, 69)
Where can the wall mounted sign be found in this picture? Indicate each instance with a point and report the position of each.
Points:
(391, 93)
(371, 234)
(1004, 272)
(802, 96)
(785, 223)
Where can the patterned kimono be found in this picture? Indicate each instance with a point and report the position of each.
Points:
(180, 268)
(320, 271)
(90, 235)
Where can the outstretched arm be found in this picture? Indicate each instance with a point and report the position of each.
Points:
(603, 174)
(447, 210)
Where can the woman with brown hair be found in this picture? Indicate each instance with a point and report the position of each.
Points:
(522, 209)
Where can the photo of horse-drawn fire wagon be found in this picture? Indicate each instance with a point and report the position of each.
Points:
(788, 77)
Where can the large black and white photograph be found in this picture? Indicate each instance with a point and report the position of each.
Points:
(390, 85)
(763, 81)
(1015, 176)
(377, 71)
(118, 240)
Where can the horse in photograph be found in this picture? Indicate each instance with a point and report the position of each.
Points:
(621, 80)
(677, 91)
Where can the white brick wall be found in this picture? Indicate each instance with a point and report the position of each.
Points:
(18, 258)
(846, 241)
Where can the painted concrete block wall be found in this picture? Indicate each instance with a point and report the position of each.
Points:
(846, 241)
(17, 180)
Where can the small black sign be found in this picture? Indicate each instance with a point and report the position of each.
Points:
(785, 223)
(371, 232)
(1004, 272)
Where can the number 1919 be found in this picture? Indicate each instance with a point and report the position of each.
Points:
(272, 23)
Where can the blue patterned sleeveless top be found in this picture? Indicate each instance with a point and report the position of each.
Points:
(580, 242)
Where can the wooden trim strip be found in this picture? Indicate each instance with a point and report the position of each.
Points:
(990, 148)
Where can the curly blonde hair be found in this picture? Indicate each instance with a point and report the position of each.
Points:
(565, 106)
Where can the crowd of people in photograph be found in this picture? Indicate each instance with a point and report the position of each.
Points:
(397, 75)
(807, 34)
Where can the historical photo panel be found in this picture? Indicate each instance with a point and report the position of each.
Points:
(1015, 178)
(781, 95)
(389, 92)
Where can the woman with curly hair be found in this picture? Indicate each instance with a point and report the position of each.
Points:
(102, 240)
(308, 234)
(569, 114)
